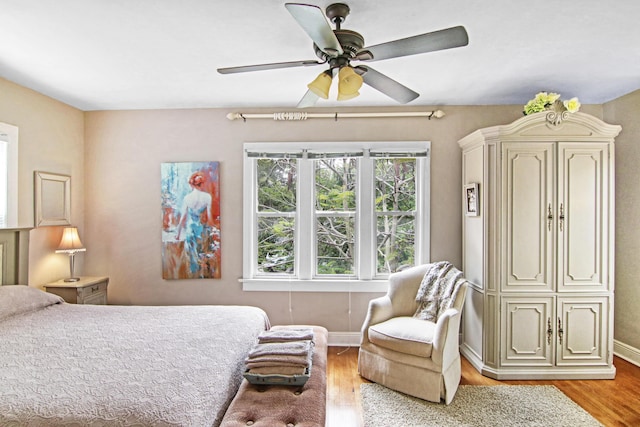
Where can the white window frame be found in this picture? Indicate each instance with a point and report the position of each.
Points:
(9, 179)
(366, 280)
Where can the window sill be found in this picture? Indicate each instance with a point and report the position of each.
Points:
(316, 285)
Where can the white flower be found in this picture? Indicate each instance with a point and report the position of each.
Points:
(572, 105)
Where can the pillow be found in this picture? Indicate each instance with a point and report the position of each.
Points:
(19, 299)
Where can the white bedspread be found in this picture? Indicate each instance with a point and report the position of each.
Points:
(124, 366)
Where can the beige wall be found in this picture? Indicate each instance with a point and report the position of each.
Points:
(114, 160)
(124, 150)
(625, 111)
(51, 139)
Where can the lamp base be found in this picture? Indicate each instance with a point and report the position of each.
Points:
(72, 279)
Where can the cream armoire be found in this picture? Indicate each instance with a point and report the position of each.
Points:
(540, 252)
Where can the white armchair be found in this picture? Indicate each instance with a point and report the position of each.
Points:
(407, 354)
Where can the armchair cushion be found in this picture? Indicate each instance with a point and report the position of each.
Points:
(405, 334)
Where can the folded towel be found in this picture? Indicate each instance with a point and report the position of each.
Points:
(288, 348)
(279, 370)
(270, 364)
(279, 360)
(286, 334)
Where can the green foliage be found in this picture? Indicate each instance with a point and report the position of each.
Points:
(395, 194)
(335, 196)
(336, 200)
(277, 185)
(336, 245)
(276, 245)
(396, 243)
(335, 181)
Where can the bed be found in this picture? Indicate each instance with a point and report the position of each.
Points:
(67, 364)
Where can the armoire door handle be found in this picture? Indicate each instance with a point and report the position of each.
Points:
(560, 330)
(549, 217)
(561, 218)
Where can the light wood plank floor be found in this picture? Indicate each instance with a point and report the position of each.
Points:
(612, 402)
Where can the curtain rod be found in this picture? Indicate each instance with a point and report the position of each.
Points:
(301, 115)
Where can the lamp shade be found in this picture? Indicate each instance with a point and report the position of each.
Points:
(320, 86)
(349, 83)
(70, 242)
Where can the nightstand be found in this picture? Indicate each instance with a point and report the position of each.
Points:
(87, 290)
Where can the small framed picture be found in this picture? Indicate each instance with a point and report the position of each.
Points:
(472, 200)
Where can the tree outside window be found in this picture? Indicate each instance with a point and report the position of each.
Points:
(326, 215)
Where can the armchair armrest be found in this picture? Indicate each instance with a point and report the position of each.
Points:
(445, 340)
(380, 309)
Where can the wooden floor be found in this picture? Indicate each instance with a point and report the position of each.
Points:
(612, 402)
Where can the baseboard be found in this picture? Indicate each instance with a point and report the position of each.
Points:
(626, 352)
(344, 339)
(471, 356)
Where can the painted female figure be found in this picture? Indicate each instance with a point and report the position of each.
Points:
(196, 221)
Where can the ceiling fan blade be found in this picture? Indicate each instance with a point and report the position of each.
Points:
(428, 42)
(272, 66)
(386, 85)
(308, 100)
(313, 22)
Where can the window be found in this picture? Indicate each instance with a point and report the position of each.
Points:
(8, 176)
(3, 182)
(333, 217)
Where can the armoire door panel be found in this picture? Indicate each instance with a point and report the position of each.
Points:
(581, 331)
(525, 333)
(528, 195)
(582, 225)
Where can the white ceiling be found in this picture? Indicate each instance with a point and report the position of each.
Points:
(134, 54)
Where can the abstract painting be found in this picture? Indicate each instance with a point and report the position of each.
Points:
(191, 220)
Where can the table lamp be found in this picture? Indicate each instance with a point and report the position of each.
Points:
(70, 244)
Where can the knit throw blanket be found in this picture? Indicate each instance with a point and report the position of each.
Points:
(438, 290)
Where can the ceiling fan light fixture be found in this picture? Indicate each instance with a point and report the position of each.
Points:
(349, 83)
(321, 84)
(338, 47)
(344, 97)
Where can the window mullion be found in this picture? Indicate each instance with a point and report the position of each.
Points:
(365, 219)
(249, 231)
(305, 223)
(423, 220)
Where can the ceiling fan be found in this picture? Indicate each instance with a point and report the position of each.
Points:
(340, 47)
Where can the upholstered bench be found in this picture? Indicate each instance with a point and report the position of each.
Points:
(282, 405)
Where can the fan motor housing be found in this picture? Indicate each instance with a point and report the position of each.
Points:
(350, 41)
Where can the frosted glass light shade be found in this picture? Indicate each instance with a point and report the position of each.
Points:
(349, 83)
(320, 86)
(344, 96)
